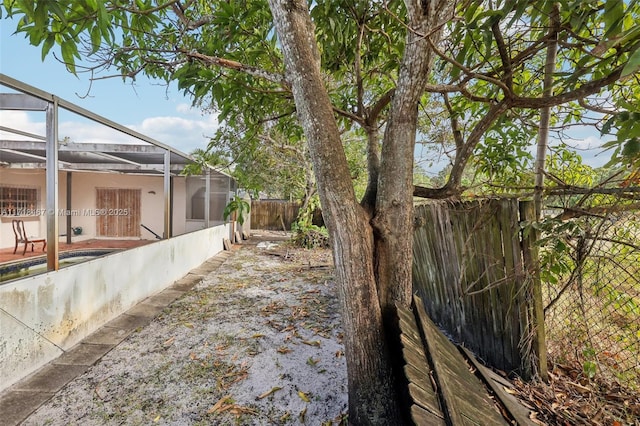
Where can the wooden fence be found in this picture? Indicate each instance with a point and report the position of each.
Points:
(469, 269)
(277, 215)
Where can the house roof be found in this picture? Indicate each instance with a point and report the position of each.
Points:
(27, 150)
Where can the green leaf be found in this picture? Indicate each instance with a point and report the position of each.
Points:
(613, 16)
(518, 13)
(96, 39)
(68, 49)
(238, 206)
(633, 64)
(57, 10)
(606, 128)
(470, 13)
(47, 45)
(631, 148)
(40, 18)
(590, 369)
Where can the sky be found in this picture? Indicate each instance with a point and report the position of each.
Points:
(146, 106)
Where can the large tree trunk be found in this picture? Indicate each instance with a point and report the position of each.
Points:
(373, 166)
(373, 263)
(394, 206)
(371, 394)
(393, 220)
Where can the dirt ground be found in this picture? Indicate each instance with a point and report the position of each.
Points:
(257, 342)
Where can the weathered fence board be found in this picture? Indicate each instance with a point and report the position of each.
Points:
(425, 406)
(497, 384)
(273, 214)
(468, 269)
(446, 383)
(465, 398)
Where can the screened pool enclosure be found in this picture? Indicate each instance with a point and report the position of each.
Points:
(72, 187)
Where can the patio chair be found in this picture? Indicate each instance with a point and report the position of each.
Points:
(21, 237)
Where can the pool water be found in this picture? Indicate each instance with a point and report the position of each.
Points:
(33, 266)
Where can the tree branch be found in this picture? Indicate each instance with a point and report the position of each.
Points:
(463, 155)
(630, 192)
(468, 71)
(349, 115)
(238, 66)
(358, 71)
(599, 211)
(377, 108)
(456, 88)
(585, 90)
(455, 125)
(137, 11)
(189, 24)
(583, 103)
(437, 193)
(504, 56)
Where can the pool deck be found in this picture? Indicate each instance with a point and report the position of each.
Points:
(6, 254)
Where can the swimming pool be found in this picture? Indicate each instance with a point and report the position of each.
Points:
(38, 265)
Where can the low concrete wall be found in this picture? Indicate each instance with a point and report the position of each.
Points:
(44, 315)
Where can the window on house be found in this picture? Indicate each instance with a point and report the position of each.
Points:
(218, 197)
(19, 201)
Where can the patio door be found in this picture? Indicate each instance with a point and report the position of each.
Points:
(117, 212)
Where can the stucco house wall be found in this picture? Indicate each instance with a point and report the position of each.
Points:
(83, 202)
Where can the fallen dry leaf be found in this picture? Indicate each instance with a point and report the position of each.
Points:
(509, 390)
(284, 350)
(303, 396)
(269, 392)
(286, 416)
(218, 406)
(238, 410)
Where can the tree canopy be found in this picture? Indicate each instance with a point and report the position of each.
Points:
(385, 70)
(487, 79)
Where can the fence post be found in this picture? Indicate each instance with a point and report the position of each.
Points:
(532, 267)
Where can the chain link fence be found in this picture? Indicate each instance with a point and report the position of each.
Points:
(591, 294)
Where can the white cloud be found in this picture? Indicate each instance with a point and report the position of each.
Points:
(20, 120)
(91, 132)
(588, 143)
(186, 109)
(184, 134)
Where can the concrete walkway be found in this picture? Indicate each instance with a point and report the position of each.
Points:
(23, 398)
